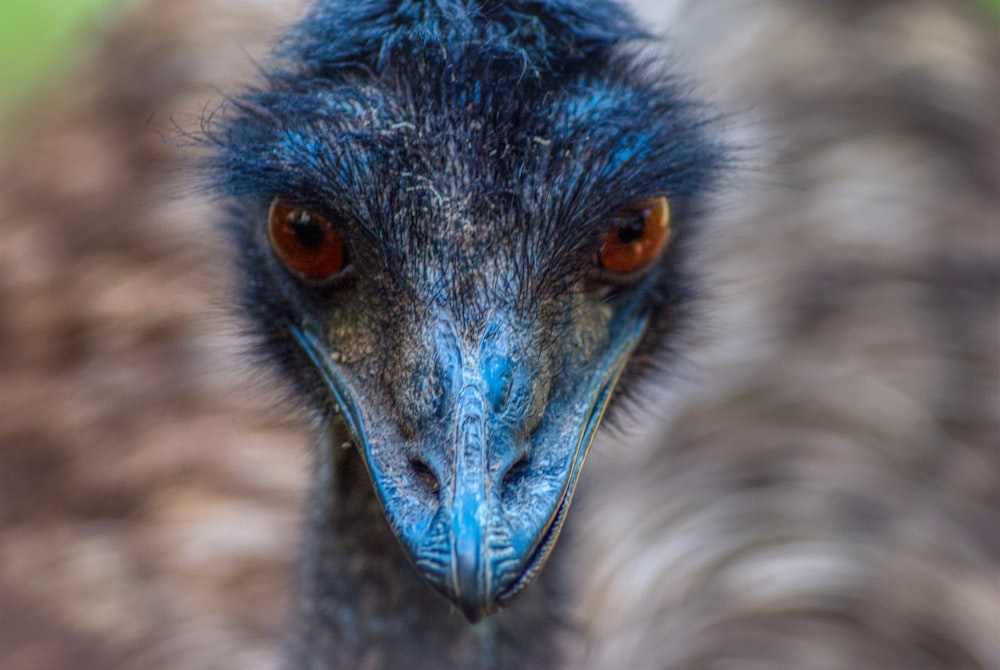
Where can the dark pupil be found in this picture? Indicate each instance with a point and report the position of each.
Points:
(630, 228)
(308, 232)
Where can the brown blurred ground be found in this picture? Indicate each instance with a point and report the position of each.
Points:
(820, 491)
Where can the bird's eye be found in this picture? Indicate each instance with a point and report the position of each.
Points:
(637, 236)
(305, 241)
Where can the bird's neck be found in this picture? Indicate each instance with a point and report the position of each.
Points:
(360, 604)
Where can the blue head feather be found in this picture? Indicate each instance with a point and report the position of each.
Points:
(473, 155)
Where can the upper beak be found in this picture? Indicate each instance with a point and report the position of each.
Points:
(504, 455)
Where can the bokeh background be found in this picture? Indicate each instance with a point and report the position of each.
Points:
(40, 39)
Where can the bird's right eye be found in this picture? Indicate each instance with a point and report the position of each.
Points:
(305, 241)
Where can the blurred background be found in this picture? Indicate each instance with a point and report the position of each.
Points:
(820, 491)
(41, 39)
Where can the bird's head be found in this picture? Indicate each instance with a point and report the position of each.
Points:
(458, 225)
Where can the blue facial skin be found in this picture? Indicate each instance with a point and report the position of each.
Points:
(474, 161)
(485, 540)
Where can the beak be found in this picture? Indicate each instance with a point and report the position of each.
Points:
(478, 495)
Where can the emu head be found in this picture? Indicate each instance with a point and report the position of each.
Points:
(458, 227)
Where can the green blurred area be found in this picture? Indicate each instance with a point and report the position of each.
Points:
(992, 6)
(40, 37)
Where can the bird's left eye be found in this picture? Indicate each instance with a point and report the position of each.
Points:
(305, 241)
(637, 236)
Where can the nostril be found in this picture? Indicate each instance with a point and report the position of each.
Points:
(424, 474)
(515, 472)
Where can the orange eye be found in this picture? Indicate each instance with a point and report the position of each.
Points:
(305, 241)
(637, 237)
